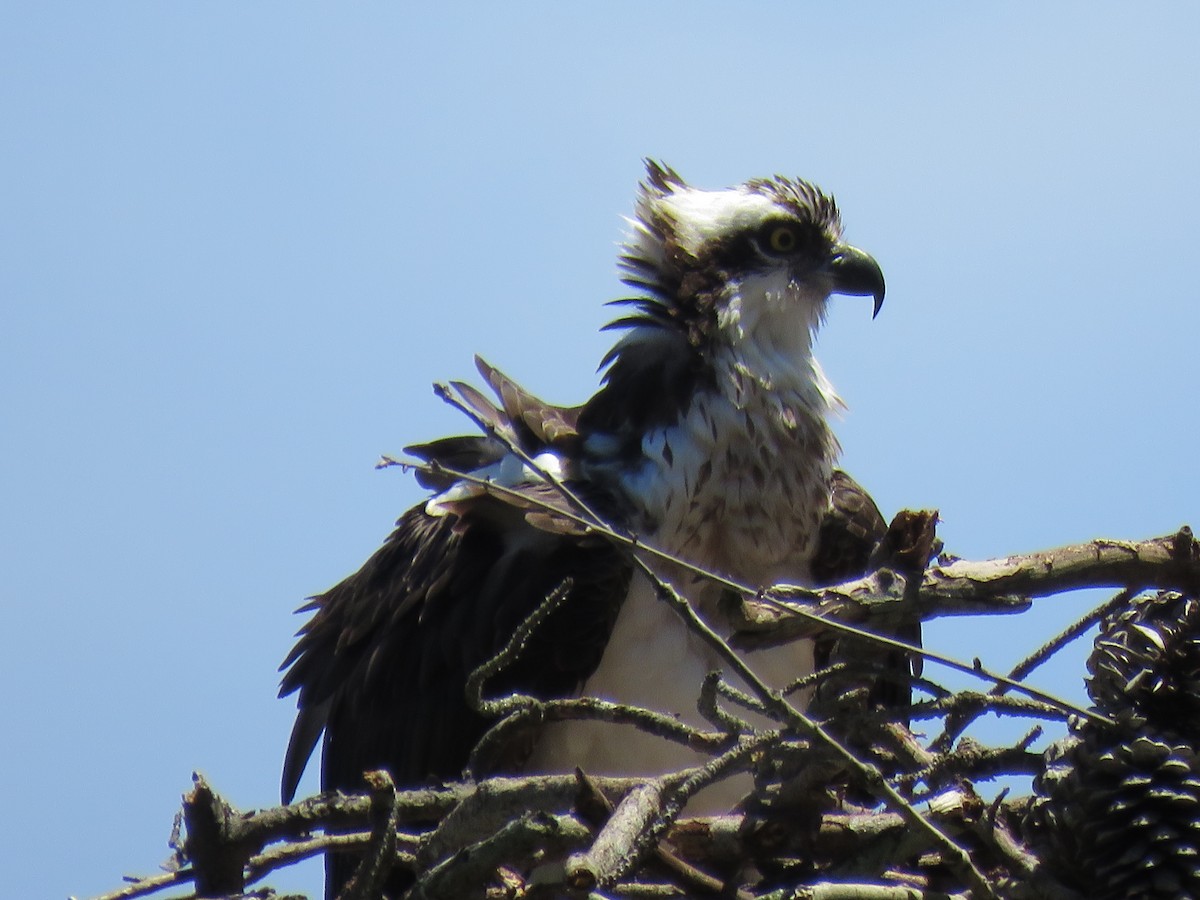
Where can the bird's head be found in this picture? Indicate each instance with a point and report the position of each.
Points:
(769, 250)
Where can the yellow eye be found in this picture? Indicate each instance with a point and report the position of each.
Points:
(782, 239)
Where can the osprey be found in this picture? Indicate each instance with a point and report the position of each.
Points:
(709, 438)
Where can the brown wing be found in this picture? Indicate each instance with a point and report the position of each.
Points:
(851, 533)
(381, 666)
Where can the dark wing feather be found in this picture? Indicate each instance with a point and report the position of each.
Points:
(850, 535)
(624, 408)
(850, 532)
(381, 666)
(464, 453)
(488, 414)
(545, 423)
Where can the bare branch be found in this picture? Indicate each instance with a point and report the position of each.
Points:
(1171, 561)
(1073, 631)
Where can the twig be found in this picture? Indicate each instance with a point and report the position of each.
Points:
(291, 852)
(960, 721)
(871, 586)
(974, 703)
(487, 806)
(462, 874)
(517, 711)
(970, 760)
(149, 885)
(845, 891)
(713, 686)
(372, 871)
(1068, 634)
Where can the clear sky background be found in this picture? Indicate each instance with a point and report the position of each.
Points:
(239, 241)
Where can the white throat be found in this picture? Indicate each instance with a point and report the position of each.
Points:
(740, 481)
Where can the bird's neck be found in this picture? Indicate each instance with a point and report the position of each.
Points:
(739, 481)
(764, 346)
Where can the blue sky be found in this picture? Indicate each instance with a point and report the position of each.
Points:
(239, 241)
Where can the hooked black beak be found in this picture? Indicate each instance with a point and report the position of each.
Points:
(856, 273)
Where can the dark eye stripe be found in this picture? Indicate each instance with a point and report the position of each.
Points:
(791, 239)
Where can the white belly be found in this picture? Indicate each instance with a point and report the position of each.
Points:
(654, 661)
(737, 485)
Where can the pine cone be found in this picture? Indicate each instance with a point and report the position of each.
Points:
(1118, 807)
(1123, 821)
(1147, 659)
